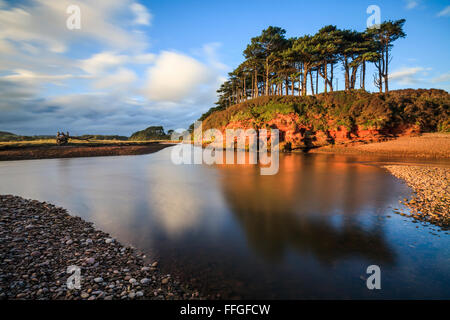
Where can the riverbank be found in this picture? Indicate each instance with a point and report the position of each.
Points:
(431, 199)
(426, 146)
(47, 151)
(40, 241)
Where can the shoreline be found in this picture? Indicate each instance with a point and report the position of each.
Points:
(428, 146)
(430, 201)
(40, 241)
(10, 153)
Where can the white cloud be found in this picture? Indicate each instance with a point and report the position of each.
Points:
(409, 76)
(45, 22)
(145, 58)
(210, 51)
(441, 78)
(444, 12)
(411, 4)
(30, 76)
(143, 16)
(101, 90)
(120, 80)
(174, 77)
(101, 62)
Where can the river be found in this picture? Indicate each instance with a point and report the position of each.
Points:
(308, 232)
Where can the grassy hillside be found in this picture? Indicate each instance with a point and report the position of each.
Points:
(151, 133)
(428, 109)
(7, 136)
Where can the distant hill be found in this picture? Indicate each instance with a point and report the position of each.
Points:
(7, 136)
(4, 133)
(151, 133)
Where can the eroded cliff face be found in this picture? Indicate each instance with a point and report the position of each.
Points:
(295, 135)
(338, 118)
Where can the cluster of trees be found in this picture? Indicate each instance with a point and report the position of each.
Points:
(151, 133)
(276, 65)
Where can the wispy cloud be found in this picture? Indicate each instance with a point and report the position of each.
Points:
(93, 80)
(143, 16)
(444, 12)
(411, 4)
(445, 77)
(410, 75)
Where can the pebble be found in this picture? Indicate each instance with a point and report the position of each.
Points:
(431, 200)
(39, 241)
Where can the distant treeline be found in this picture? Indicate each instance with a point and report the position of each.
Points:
(151, 133)
(8, 136)
(103, 137)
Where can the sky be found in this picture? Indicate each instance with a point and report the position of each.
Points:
(134, 64)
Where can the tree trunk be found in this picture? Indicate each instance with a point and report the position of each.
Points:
(312, 82)
(267, 76)
(347, 75)
(292, 85)
(331, 77)
(363, 79)
(304, 80)
(386, 73)
(317, 81)
(353, 78)
(380, 75)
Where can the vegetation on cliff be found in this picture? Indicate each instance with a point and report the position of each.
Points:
(428, 110)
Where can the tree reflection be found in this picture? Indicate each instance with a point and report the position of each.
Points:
(313, 205)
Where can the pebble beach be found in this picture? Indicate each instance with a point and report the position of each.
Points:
(39, 241)
(431, 199)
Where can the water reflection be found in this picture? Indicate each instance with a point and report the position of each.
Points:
(308, 232)
(299, 207)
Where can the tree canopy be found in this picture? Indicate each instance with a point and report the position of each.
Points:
(276, 65)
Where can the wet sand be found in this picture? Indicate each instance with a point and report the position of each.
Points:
(426, 146)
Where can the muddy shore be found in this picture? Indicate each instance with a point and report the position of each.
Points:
(78, 150)
(38, 242)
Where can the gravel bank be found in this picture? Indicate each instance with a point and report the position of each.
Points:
(431, 200)
(39, 241)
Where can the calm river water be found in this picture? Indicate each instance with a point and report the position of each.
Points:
(308, 232)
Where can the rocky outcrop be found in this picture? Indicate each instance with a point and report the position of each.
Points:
(294, 135)
(339, 117)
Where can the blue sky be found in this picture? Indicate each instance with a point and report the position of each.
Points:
(139, 63)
